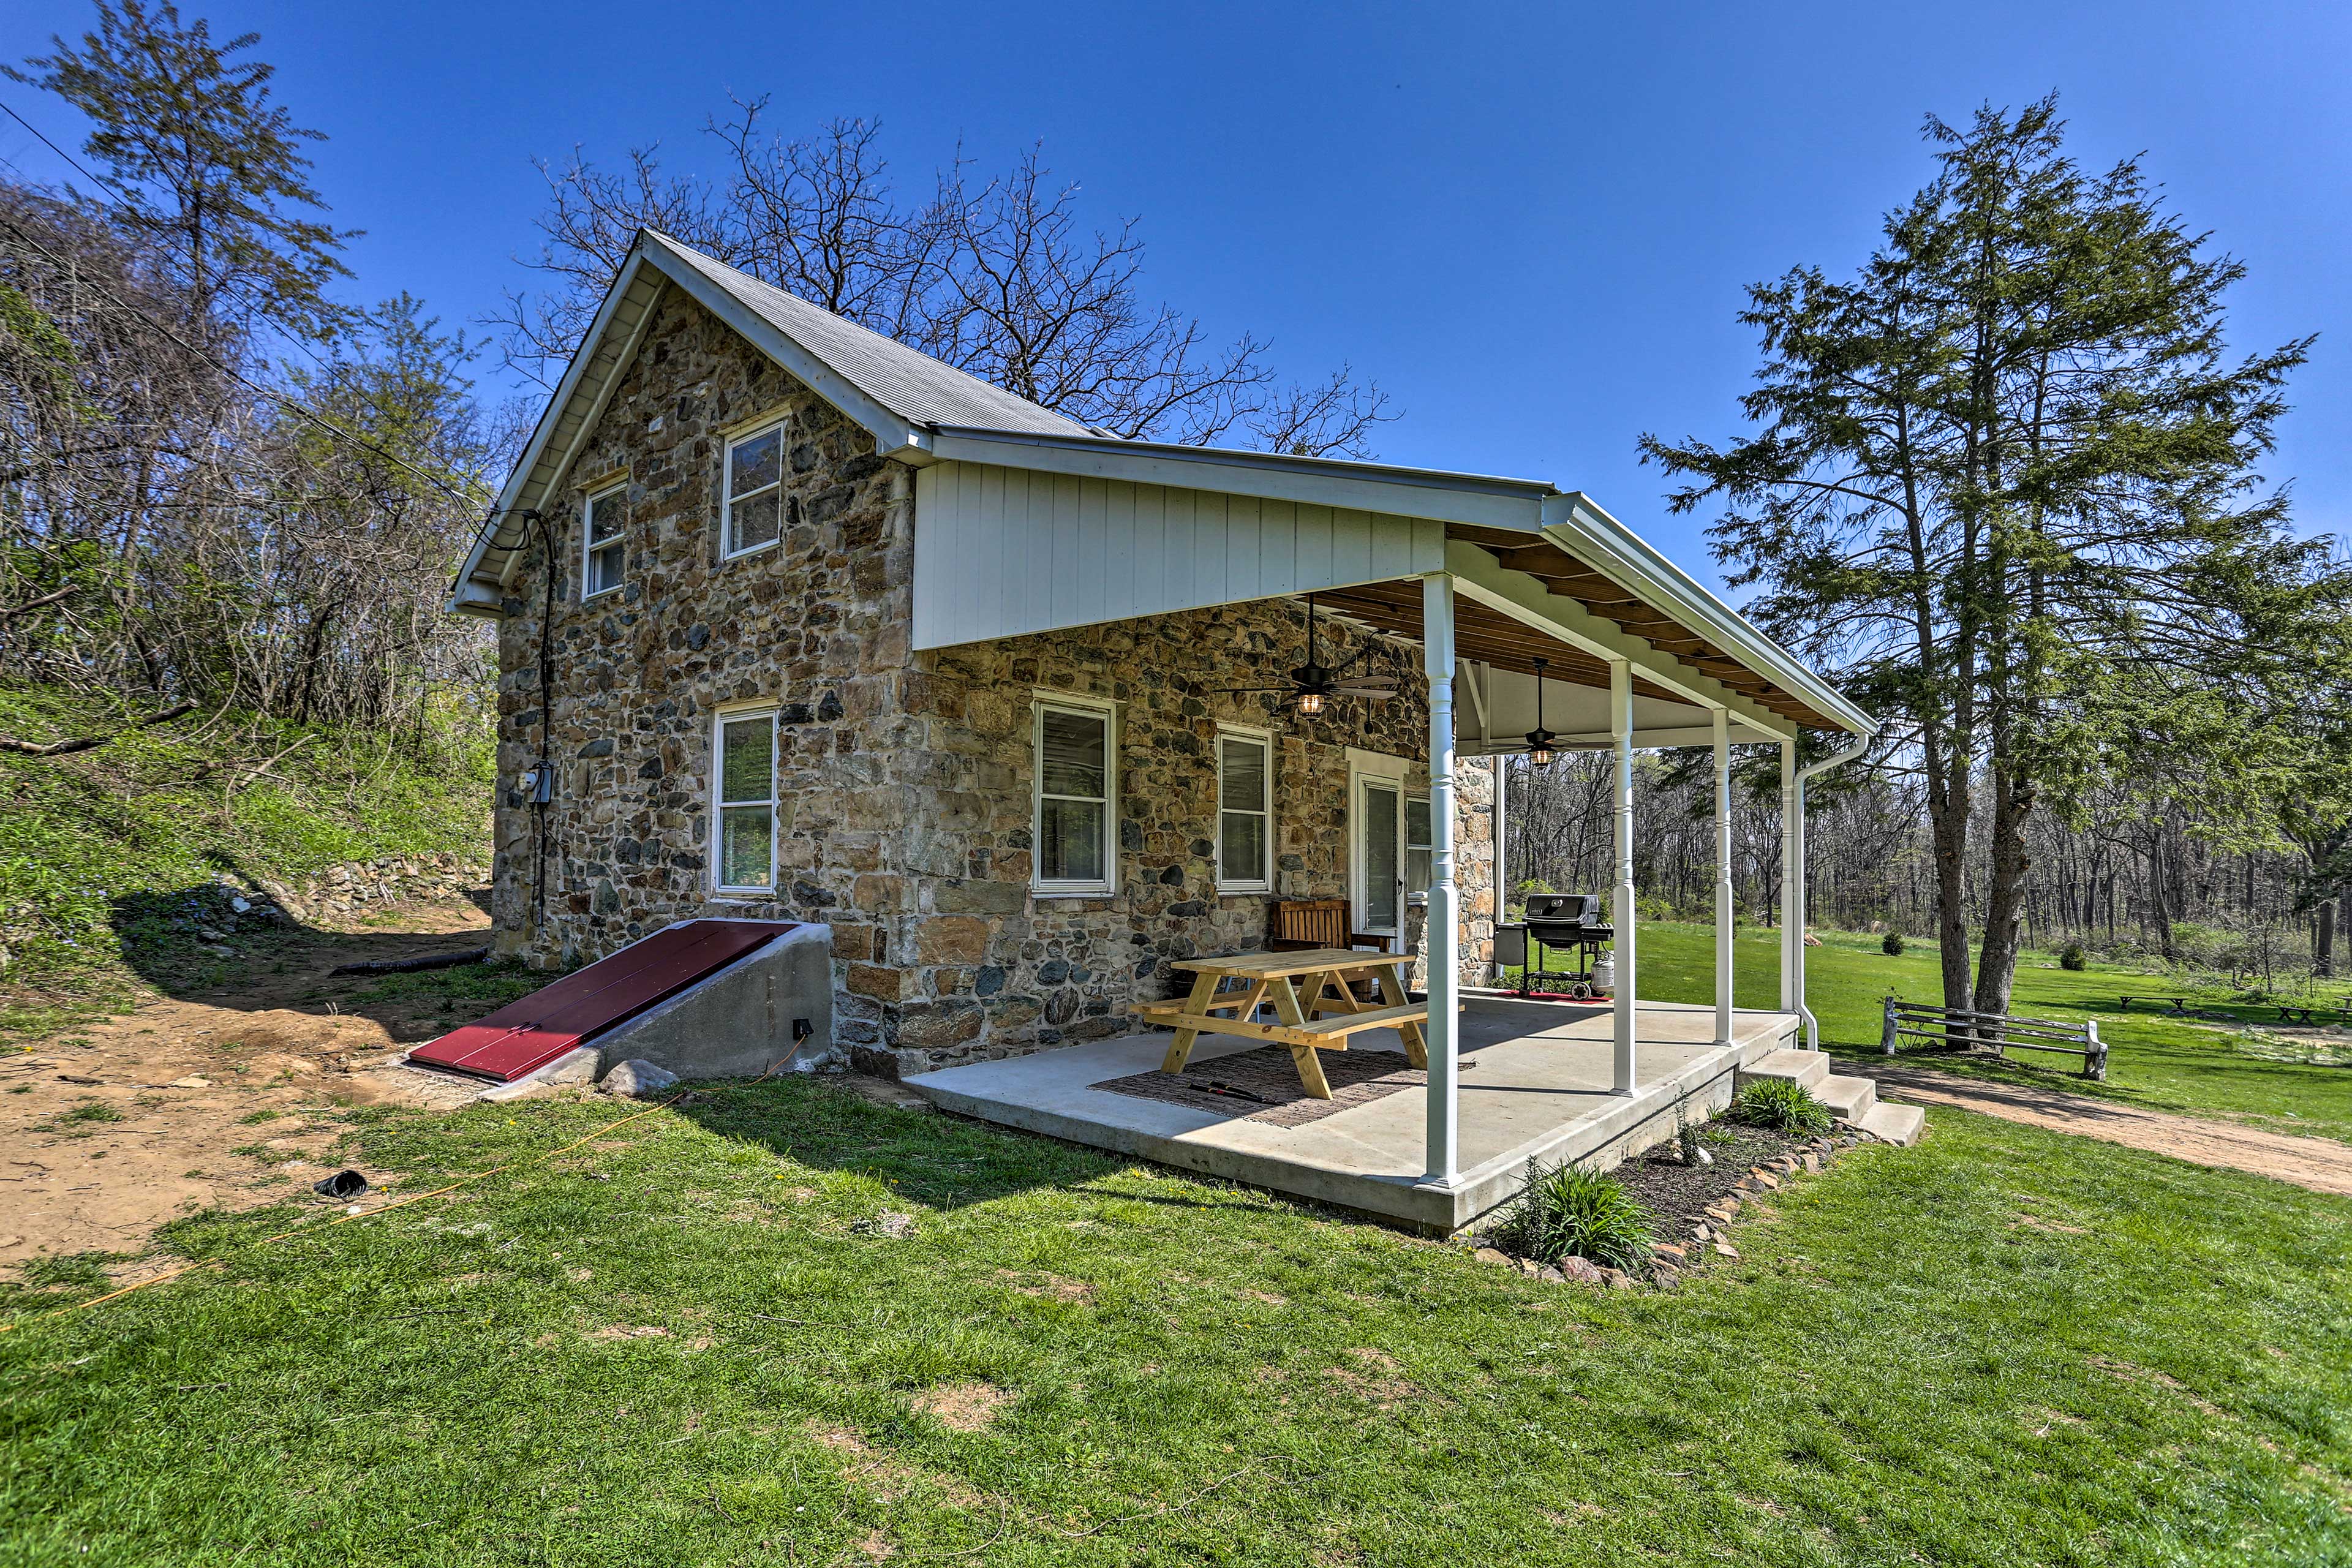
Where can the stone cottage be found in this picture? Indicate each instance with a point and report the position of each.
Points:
(795, 622)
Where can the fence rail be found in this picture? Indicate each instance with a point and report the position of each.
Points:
(2001, 1032)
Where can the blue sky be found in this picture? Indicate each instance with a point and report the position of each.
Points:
(1532, 224)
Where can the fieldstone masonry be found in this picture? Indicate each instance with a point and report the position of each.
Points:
(904, 786)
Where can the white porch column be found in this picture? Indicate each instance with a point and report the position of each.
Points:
(1444, 933)
(1620, 726)
(1792, 932)
(1723, 976)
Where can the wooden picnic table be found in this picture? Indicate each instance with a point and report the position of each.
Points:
(1313, 999)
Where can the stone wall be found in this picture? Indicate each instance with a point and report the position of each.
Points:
(905, 780)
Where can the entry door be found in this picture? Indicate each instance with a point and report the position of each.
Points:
(1380, 858)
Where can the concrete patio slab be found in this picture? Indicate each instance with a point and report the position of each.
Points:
(1534, 1085)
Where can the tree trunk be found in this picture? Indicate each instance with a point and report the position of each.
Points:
(2005, 895)
(2322, 947)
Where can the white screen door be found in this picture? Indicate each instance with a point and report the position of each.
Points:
(1380, 870)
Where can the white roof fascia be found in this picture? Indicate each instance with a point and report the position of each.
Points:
(891, 432)
(1474, 498)
(510, 495)
(1575, 523)
(1524, 598)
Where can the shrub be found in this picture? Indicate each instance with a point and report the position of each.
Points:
(1782, 1104)
(1571, 1211)
(2072, 956)
(1893, 946)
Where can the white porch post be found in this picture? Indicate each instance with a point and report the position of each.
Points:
(1723, 877)
(1445, 933)
(1792, 935)
(1620, 726)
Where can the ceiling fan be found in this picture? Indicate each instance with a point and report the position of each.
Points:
(1311, 686)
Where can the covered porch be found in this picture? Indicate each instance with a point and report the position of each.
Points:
(1542, 626)
(1535, 1082)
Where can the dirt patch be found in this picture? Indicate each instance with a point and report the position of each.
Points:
(962, 1406)
(1377, 1377)
(1048, 1286)
(227, 1097)
(2322, 1165)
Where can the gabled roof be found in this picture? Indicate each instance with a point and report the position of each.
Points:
(918, 388)
(900, 395)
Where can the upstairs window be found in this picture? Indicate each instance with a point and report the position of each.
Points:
(607, 556)
(755, 491)
(1244, 813)
(745, 832)
(1076, 786)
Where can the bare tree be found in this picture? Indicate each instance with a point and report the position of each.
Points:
(1000, 278)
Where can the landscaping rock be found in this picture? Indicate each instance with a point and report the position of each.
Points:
(1495, 1256)
(1725, 1249)
(638, 1080)
(1581, 1271)
(889, 1222)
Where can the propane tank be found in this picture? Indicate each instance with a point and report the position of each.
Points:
(1604, 973)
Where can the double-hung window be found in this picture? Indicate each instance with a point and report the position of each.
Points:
(1244, 811)
(606, 553)
(744, 829)
(755, 491)
(1417, 850)
(1077, 780)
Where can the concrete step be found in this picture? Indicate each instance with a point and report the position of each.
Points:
(1897, 1124)
(1849, 1099)
(1807, 1067)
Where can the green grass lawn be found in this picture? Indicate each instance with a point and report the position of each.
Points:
(2001, 1347)
(2164, 1064)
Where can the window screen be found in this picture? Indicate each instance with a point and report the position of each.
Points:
(755, 491)
(747, 803)
(1073, 796)
(607, 556)
(1245, 814)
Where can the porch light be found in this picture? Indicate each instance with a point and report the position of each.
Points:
(1310, 702)
(1539, 748)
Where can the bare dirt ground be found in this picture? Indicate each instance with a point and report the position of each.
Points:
(223, 1096)
(2322, 1165)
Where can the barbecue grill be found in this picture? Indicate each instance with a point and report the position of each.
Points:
(1571, 924)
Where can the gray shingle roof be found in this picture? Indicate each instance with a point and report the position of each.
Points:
(912, 384)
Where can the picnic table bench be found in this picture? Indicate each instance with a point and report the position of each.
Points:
(1314, 1000)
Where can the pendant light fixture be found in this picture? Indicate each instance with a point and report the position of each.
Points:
(1539, 740)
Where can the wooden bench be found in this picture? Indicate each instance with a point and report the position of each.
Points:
(1322, 1018)
(2001, 1031)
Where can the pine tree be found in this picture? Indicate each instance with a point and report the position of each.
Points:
(2005, 467)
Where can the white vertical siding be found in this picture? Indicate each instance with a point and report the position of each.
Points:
(1002, 551)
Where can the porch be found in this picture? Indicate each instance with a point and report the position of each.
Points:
(1536, 1080)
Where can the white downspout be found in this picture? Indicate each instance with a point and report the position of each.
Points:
(1795, 874)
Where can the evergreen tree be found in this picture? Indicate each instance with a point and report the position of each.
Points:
(209, 171)
(2004, 472)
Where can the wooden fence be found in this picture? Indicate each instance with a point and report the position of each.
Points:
(2000, 1032)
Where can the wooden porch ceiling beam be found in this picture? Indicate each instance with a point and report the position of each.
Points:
(1483, 577)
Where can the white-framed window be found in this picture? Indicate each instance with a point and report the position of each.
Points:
(1245, 811)
(605, 554)
(743, 803)
(752, 513)
(1077, 756)
(1417, 843)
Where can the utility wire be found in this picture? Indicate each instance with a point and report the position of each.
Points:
(122, 200)
(281, 400)
(284, 402)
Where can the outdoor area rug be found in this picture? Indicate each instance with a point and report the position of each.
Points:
(1267, 1074)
